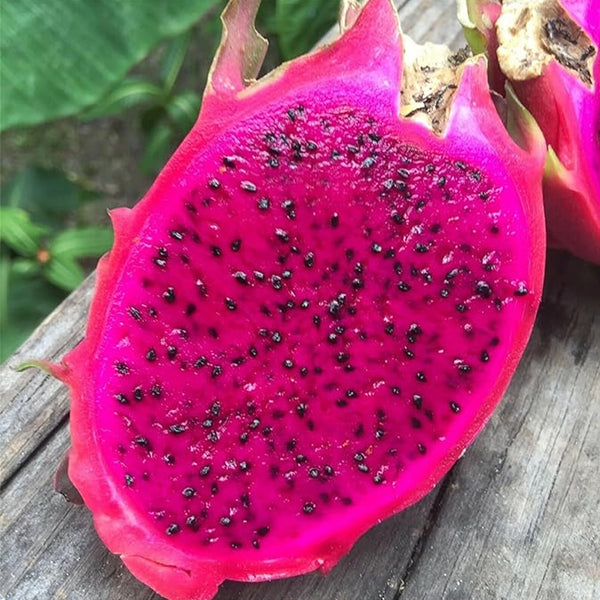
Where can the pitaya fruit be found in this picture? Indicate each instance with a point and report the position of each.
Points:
(548, 50)
(312, 312)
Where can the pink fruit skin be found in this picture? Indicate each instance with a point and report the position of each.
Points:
(568, 112)
(363, 67)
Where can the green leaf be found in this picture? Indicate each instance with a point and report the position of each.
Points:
(59, 56)
(183, 110)
(48, 196)
(27, 301)
(158, 148)
(300, 24)
(173, 59)
(64, 273)
(84, 242)
(129, 92)
(19, 233)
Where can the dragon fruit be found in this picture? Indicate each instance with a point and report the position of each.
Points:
(313, 311)
(548, 50)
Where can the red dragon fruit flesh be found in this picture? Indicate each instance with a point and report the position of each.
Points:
(312, 312)
(548, 50)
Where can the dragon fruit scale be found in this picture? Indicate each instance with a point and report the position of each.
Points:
(312, 312)
(548, 50)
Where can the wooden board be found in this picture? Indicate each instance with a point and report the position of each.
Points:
(517, 517)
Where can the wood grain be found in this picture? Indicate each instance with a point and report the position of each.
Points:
(516, 518)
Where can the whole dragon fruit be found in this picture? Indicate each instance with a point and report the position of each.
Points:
(548, 50)
(312, 312)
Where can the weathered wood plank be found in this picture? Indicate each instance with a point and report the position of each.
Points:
(520, 516)
(32, 404)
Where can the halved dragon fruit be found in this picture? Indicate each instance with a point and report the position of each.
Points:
(548, 50)
(312, 312)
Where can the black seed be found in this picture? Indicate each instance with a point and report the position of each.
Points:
(317, 320)
(253, 352)
(342, 357)
(276, 282)
(248, 186)
(461, 308)
(188, 492)
(397, 217)
(301, 459)
(521, 290)
(494, 229)
(351, 394)
(332, 338)
(172, 529)
(169, 459)
(484, 356)
(135, 313)
(192, 523)
(460, 165)
(379, 433)
(441, 181)
(229, 161)
(378, 479)
(395, 390)
(335, 220)
(403, 173)
(129, 480)
(301, 409)
(225, 521)
(359, 457)
(230, 304)
(214, 488)
(494, 341)
(169, 295)
(216, 371)
(205, 471)
(138, 394)
(156, 391)
(464, 368)
(244, 466)
(309, 507)
(357, 283)
(309, 260)
(421, 248)
(177, 428)
(403, 286)
(422, 449)
(363, 468)
(421, 376)
(207, 423)
(376, 248)
(282, 235)
(122, 368)
(288, 364)
(160, 262)
(121, 399)
(276, 337)
(255, 422)
(341, 402)
(389, 328)
(151, 355)
(201, 362)
(444, 293)
(416, 423)
(498, 304)
(214, 184)
(454, 407)
(483, 289)
(368, 162)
